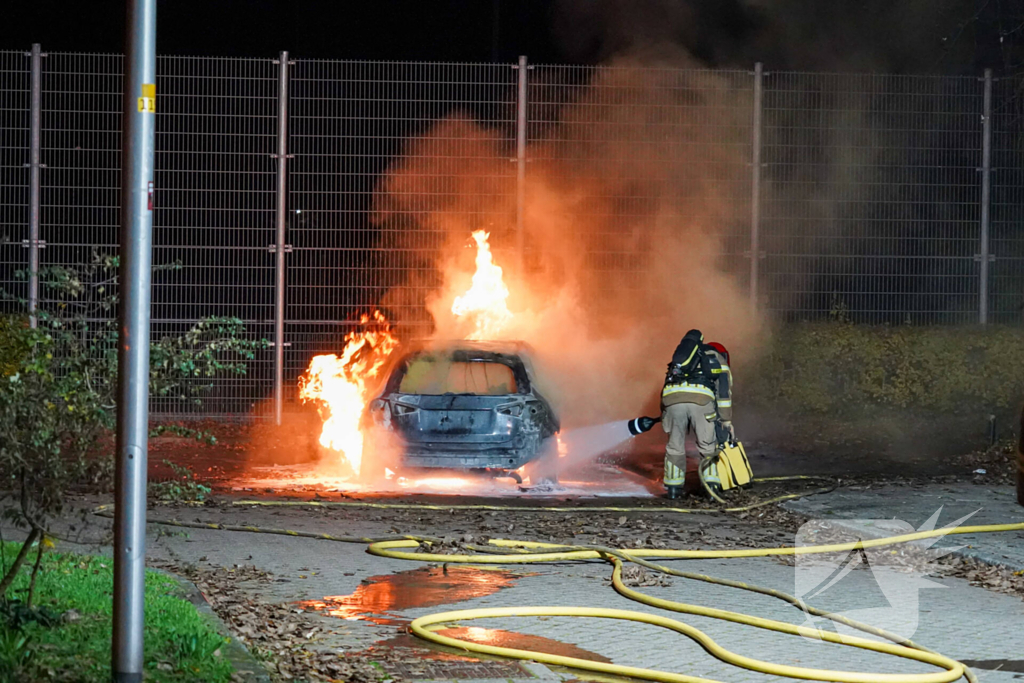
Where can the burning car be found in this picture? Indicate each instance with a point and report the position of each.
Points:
(462, 405)
(470, 405)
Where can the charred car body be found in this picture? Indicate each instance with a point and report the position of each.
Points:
(461, 405)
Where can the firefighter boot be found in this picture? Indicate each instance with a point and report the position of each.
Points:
(674, 478)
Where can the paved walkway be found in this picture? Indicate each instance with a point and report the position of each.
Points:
(959, 620)
(857, 508)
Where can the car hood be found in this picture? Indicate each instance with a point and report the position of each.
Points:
(455, 401)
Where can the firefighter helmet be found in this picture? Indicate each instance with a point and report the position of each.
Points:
(722, 350)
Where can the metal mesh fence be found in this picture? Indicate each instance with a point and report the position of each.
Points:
(871, 197)
(386, 159)
(214, 216)
(647, 151)
(869, 188)
(214, 221)
(81, 150)
(14, 172)
(1007, 203)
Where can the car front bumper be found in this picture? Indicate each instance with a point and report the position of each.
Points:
(505, 459)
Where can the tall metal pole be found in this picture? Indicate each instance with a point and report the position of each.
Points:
(521, 166)
(137, 173)
(35, 142)
(755, 188)
(986, 172)
(279, 247)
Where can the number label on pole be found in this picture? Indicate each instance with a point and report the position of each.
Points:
(147, 103)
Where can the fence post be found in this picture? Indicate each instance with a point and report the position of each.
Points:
(35, 142)
(755, 188)
(279, 247)
(521, 166)
(137, 174)
(986, 171)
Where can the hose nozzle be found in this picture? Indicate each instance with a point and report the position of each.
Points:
(639, 425)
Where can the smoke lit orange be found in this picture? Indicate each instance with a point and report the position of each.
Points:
(339, 384)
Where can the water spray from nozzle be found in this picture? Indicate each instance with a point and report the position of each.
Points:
(584, 444)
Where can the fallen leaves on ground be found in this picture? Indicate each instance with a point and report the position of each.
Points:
(635, 576)
(909, 557)
(994, 465)
(282, 637)
(992, 577)
(454, 545)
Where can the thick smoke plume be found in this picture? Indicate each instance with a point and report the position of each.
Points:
(632, 189)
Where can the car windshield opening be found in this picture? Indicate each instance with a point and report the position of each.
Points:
(436, 375)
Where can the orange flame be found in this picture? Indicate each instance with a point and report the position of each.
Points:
(485, 301)
(339, 383)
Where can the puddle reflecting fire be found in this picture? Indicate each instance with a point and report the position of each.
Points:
(378, 598)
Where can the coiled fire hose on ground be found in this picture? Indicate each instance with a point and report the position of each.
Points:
(499, 551)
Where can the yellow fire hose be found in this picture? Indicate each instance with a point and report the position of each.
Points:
(530, 552)
(502, 551)
(386, 548)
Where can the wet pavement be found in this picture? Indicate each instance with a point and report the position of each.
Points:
(863, 509)
(380, 599)
(596, 480)
(960, 620)
(363, 603)
(490, 636)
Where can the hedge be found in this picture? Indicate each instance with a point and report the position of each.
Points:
(834, 367)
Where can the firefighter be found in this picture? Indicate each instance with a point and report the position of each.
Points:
(723, 386)
(688, 402)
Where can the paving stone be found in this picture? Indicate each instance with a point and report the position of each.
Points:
(957, 619)
(916, 504)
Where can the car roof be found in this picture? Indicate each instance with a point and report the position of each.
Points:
(509, 347)
(515, 348)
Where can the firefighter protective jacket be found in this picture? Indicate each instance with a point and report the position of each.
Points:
(723, 384)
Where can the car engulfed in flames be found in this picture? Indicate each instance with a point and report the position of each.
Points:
(471, 404)
(462, 405)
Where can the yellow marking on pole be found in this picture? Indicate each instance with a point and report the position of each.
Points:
(147, 103)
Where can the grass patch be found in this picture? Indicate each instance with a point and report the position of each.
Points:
(66, 635)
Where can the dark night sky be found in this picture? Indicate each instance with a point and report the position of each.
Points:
(909, 36)
(436, 30)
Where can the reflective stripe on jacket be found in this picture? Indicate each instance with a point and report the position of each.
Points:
(686, 392)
